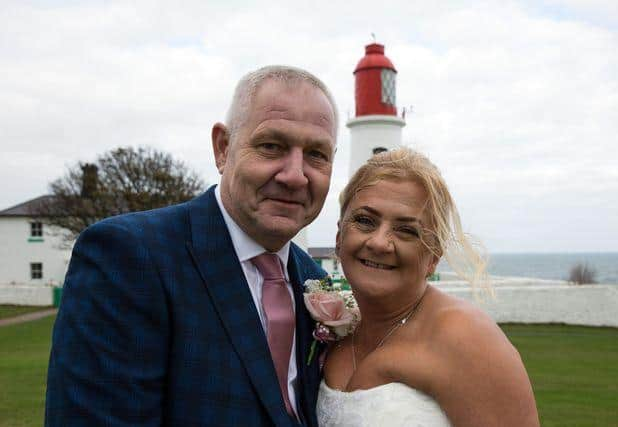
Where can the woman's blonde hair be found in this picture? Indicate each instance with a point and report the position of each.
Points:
(443, 236)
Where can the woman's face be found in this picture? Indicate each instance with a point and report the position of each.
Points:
(379, 239)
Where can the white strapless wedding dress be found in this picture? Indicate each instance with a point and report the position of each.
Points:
(388, 405)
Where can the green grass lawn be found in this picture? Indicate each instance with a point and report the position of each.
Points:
(574, 372)
(16, 310)
(24, 351)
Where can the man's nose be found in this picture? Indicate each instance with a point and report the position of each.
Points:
(292, 173)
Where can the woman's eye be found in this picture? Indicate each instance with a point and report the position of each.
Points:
(409, 231)
(363, 221)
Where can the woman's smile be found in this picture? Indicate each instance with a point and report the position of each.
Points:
(377, 265)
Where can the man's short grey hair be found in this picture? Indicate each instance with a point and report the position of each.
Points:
(246, 88)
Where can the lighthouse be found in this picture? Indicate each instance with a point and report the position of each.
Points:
(375, 126)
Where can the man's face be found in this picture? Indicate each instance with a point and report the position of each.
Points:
(276, 171)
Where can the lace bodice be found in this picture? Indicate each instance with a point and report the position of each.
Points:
(392, 405)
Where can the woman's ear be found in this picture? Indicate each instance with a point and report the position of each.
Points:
(337, 238)
(433, 264)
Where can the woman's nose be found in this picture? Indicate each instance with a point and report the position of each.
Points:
(381, 240)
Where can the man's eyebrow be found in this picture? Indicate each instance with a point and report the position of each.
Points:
(282, 136)
(377, 213)
(270, 133)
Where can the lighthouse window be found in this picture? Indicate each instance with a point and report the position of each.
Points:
(388, 86)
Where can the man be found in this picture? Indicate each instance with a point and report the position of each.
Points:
(172, 317)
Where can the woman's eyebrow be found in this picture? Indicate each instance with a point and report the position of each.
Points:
(377, 213)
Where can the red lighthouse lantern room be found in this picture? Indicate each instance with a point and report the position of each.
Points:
(374, 90)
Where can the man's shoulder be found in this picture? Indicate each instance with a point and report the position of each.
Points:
(301, 255)
(309, 268)
(159, 216)
(174, 218)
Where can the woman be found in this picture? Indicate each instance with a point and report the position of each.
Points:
(418, 356)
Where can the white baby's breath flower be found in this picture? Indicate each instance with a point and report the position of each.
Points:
(313, 285)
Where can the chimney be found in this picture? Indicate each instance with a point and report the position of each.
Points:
(90, 179)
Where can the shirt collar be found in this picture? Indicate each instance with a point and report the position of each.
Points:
(245, 247)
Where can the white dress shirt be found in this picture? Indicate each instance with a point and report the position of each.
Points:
(247, 248)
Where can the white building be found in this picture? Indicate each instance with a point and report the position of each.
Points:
(325, 257)
(31, 253)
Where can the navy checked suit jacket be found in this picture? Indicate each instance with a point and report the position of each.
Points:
(157, 327)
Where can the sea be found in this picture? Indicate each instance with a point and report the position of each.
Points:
(551, 265)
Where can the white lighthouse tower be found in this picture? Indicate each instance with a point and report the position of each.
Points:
(375, 126)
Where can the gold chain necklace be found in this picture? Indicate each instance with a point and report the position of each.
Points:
(393, 328)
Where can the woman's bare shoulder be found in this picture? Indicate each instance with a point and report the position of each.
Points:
(477, 373)
(444, 327)
(461, 336)
(454, 322)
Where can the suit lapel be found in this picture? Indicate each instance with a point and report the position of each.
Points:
(214, 256)
(307, 375)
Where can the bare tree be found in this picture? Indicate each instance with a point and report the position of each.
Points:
(581, 274)
(122, 180)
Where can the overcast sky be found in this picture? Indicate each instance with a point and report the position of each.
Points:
(516, 102)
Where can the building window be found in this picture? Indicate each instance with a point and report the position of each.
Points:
(378, 150)
(388, 86)
(36, 270)
(36, 229)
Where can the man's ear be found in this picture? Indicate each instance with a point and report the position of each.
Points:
(220, 145)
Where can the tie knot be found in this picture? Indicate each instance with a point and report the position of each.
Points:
(269, 266)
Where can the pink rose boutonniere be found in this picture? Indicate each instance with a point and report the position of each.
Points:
(334, 310)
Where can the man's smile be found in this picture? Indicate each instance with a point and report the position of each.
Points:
(286, 201)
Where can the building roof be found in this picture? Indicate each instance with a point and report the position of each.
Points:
(28, 208)
(321, 252)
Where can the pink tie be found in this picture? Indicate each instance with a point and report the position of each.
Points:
(280, 320)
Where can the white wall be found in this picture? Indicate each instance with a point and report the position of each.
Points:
(530, 300)
(26, 295)
(546, 302)
(17, 252)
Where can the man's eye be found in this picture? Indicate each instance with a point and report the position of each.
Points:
(317, 154)
(270, 146)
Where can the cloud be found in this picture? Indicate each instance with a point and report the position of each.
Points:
(516, 102)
